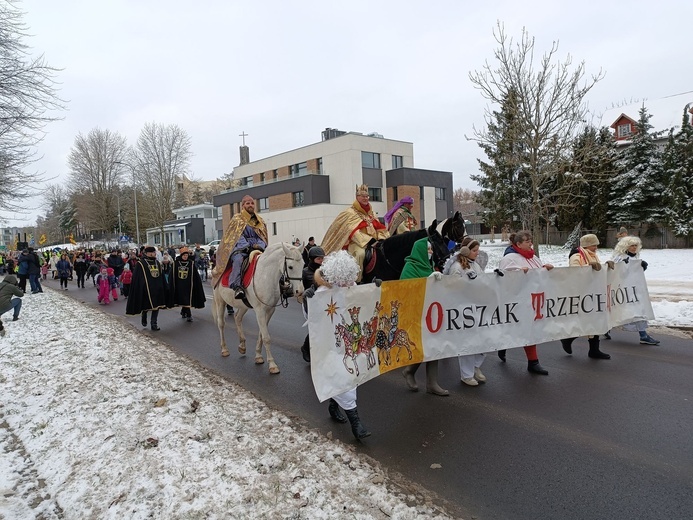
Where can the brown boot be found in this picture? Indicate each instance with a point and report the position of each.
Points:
(432, 386)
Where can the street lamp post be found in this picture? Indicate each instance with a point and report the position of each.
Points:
(137, 220)
(120, 224)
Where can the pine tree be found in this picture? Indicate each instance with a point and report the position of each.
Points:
(586, 197)
(638, 190)
(502, 182)
(678, 168)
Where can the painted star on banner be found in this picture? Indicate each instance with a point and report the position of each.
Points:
(331, 309)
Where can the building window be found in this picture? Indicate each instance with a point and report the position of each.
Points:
(370, 160)
(320, 166)
(274, 174)
(397, 161)
(297, 198)
(624, 130)
(421, 193)
(262, 177)
(440, 193)
(263, 204)
(296, 170)
(395, 198)
(274, 225)
(375, 194)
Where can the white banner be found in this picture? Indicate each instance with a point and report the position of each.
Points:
(359, 332)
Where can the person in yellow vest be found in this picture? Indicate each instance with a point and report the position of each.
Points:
(354, 228)
(246, 231)
(400, 219)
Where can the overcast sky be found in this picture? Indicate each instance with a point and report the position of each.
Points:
(283, 71)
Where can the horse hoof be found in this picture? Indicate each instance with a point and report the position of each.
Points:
(274, 370)
(224, 353)
(241, 350)
(259, 360)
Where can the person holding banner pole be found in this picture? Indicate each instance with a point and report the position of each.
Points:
(340, 269)
(586, 256)
(418, 265)
(520, 256)
(464, 264)
(627, 250)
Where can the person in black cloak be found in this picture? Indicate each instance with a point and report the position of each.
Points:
(187, 284)
(148, 289)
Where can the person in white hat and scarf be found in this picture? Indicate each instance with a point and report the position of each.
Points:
(586, 256)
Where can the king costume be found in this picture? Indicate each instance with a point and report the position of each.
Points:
(245, 231)
(400, 219)
(353, 229)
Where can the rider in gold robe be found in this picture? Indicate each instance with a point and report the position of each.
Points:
(246, 231)
(400, 219)
(354, 228)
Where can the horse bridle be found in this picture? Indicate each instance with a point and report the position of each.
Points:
(283, 300)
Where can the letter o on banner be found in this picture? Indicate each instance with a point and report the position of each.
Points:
(438, 309)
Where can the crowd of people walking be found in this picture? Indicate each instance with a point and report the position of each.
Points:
(152, 279)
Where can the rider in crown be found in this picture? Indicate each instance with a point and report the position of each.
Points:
(246, 231)
(354, 228)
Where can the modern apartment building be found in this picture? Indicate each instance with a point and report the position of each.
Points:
(192, 225)
(300, 192)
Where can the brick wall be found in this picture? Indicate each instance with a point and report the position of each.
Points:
(312, 166)
(283, 201)
(282, 173)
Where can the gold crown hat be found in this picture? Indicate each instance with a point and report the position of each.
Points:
(361, 190)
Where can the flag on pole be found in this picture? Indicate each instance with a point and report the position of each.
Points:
(72, 239)
(43, 239)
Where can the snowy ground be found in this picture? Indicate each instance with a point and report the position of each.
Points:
(93, 427)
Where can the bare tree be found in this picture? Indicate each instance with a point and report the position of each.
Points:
(27, 96)
(160, 159)
(96, 168)
(550, 110)
(56, 200)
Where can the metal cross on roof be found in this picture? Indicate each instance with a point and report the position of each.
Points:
(243, 135)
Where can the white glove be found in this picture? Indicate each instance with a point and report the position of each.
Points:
(437, 276)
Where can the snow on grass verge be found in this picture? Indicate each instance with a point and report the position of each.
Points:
(113, 424)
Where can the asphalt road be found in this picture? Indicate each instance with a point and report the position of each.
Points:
(593, 440)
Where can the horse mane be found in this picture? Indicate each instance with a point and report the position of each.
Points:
(403, 242)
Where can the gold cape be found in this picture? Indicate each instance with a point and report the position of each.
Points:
(402, 216)
(238, 223)
(347, 223)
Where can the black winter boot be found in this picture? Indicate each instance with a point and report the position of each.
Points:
(155, 316)
(501, 355)
(305, 351)
(594, 352)
(536, 368)
(567, 345)
(356, 427)
(335, 412)
(144, 318)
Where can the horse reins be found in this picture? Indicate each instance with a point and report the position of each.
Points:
(283, 300)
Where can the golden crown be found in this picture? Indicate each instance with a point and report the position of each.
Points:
(362, 190)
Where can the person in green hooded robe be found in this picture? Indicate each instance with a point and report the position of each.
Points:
(418, 265)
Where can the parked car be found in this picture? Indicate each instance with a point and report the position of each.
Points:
(213, 243)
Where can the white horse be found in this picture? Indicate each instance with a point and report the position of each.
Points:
(264, 294)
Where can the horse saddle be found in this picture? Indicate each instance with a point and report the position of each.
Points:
(247, 270)
(370, 256)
